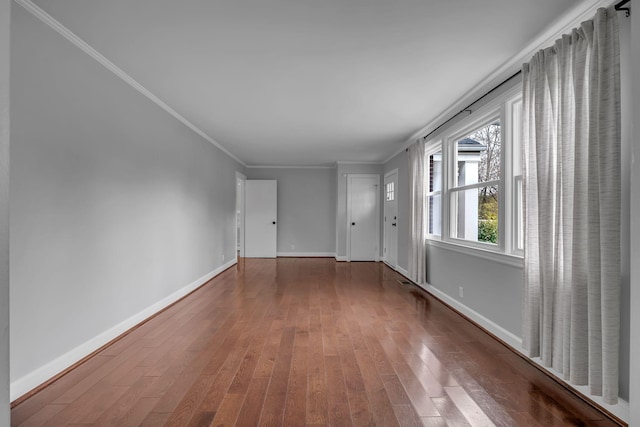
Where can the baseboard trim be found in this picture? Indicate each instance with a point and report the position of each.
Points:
(306, 254)
(495, 329)
(30, 384)
(342, 258)
(402, 271)
(619, 413)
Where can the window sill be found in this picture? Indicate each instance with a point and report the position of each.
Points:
(502, 258)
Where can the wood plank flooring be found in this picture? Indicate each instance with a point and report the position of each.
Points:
(306, 342)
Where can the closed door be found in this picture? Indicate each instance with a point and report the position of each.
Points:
(390, 220)
(261, 229)
(363, 213)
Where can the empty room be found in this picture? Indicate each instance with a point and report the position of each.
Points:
(304, 213)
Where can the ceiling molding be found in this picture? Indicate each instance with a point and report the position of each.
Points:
(288, 167)
(405, 147)
(349, 162)
(86, 48)
(564, 24)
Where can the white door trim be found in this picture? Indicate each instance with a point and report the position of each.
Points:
(384, 201)
(241, 204)
(350, 176)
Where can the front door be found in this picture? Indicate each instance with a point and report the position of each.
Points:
(261, 218)
(363, 214)
(390, 220)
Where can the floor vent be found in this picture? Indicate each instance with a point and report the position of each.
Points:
(404, 282)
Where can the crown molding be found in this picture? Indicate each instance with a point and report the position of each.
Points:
(564, 24)
(288, 167)
(405, 145)
(349, 162)
(86, 48)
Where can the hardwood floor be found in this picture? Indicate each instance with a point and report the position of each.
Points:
(306, 342)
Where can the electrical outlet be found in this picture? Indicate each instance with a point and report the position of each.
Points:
(460, 291)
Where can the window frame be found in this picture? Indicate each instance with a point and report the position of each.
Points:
(514, 104)
(390, 192)
(434, 148)
(501, 108)
(453, 188)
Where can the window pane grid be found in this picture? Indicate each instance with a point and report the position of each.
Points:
(390, 192)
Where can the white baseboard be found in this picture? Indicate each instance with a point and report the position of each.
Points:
(344, 258)
(307, 254)
(393, 267)
(42, 374)
(621, 410)
(402, 271)
(497, 330)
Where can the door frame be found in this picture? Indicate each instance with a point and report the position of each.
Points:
(384, 227)
(240, 203)
(350, 176)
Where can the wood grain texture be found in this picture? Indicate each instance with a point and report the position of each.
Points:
(306, 342)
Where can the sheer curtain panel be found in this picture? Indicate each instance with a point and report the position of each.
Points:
(571, 144)
(417, 253)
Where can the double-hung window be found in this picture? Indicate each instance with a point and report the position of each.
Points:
(476, 183)
(474, 180)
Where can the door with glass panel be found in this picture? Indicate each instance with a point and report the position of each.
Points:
(390, 219)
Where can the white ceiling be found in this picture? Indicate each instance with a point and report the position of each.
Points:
(309, 82)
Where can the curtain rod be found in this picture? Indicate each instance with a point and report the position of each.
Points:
(468, 107)
(619, 7)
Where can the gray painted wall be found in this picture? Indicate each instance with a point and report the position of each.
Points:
(341, 172)
(634, 333)
(115, 205)
(491, 289)
(401, 163)
(306, 208)
(5, 18)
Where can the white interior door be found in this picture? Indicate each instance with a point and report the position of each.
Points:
(390, 220)
(363, 214)
(261, 229)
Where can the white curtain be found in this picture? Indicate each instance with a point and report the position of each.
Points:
(417, 253)
(571, 120)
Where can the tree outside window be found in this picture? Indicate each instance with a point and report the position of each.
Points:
(477, 205)
(489, 170)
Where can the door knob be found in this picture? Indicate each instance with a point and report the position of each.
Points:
(353, 223)
(394, 224)
(274, 223)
